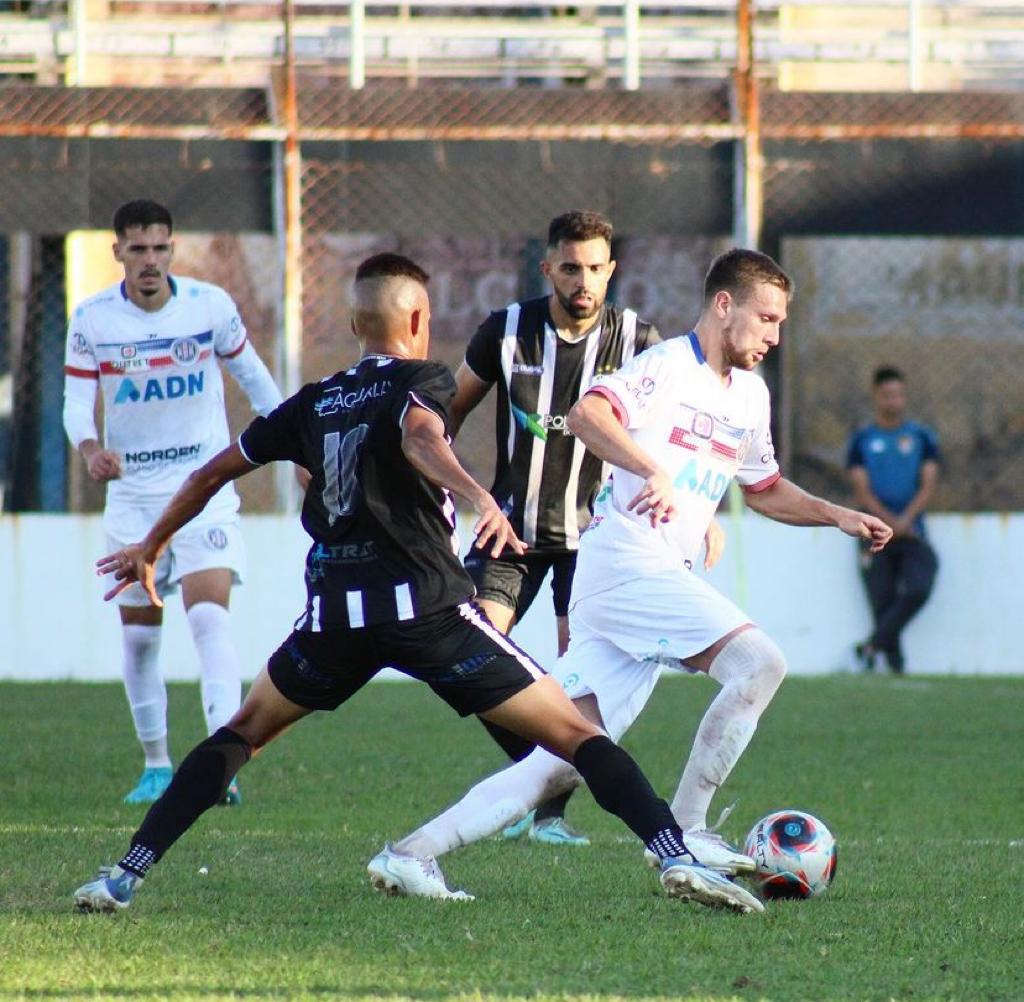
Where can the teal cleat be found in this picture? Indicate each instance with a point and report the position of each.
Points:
(554, 831)
(111, 891)
(150, 786)
(547, 831)
(520, 828)
(232, 795)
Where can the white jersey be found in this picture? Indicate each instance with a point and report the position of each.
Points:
(702, 432)
(163, 395)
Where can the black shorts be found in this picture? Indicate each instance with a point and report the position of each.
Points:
(457, 652)
(514, 581)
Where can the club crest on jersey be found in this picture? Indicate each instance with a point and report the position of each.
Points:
(703, 425)
(129, 351)
(185, 351)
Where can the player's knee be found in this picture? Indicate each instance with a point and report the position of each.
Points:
(773, 665)
(569, 734)
(752, 662)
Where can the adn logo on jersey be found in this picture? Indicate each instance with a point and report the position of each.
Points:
(169, 388)
(701, 481)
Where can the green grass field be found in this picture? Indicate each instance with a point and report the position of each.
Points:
(919, 778)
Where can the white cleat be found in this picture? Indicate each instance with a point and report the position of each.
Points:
(707, 846)
(399, 875)
(111, 891)
(693, 882)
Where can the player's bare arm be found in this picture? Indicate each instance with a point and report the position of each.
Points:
(593, 421)
(138, 561)
(470, 389)
(101, 464)
(425, 446)
(787, 503)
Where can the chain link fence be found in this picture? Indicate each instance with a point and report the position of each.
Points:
(900, 217)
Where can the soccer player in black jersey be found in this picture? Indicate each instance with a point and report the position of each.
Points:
(542, 355)
(385, 588)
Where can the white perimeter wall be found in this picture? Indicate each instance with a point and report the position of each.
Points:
(801, 585)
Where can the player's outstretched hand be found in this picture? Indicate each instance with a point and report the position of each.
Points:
(128, 566)
(657, 499)
(493, 529)
(714, 544)
(872, 530)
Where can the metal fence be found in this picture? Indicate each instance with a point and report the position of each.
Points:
(901, 217)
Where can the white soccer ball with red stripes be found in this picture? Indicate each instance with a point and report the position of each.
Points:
(794, 854)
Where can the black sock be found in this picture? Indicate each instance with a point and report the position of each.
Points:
(553, 808)
(199, 784)
(622, 789)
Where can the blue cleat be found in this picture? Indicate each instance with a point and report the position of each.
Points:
(520, 828)
(232, 795)
(111, 891)
(696, 882)
(150, 786)
(548, 831)
(554, 831)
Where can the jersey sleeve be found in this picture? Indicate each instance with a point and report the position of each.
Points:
(759, 468)
(79, 355)
(930, 446)
(229, 334)
(483, 353)
(279, 435)
(431, 387)
(633, 391)
(855, 453)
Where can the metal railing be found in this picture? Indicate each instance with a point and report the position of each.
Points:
(913, 44)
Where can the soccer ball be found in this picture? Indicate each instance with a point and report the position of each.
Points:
(794, 854)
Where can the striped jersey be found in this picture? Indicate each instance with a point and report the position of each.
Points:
(702, 432)
(384, 542)
(163, 395)
(545, 480)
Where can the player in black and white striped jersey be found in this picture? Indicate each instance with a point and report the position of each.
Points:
(385, 588)
(541, 355)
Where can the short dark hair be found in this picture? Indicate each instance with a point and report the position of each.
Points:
(739, 271)
(887, 374)
(142, 212)
(389, 265)
(579, 225)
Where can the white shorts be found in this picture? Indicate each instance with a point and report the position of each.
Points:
(194, 548)
(623, 638)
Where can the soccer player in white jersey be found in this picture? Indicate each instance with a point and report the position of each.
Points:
(677, 424)
(151, 345)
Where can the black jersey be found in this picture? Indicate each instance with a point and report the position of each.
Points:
(384, 545)
(545, 480)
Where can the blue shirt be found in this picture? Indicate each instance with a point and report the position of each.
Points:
(893, 458)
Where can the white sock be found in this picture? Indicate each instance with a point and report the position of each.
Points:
(493, 804)
(749, 669)
(220, 675)
(146, 692)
